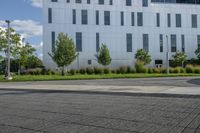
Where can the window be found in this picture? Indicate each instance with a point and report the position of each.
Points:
(169, 20)
(68, 1)
(161, 43)
(88, 1)
(178, 20)
(111, 2)
(140, 19)
(49, 15)
(173, 43)
(106, 17)
(53, 41)
(129, 42)
(97, 17)
(183, 43)
(146, 42)
(122, 18)
(78, 1)
(97, 42)
(74, 16)
(78, 41)
(158, 19)
(198, 41)
(84, 15)
(54, 0)
(194, 21)
(101, 2)
(132, 18)
(144, 3)
(128, 2)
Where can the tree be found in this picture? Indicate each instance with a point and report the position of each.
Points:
(197, 52)
(24, 54)
(103, 56)
(34, 62)
(143, 56)
(65, 52)
(14, 40)
(179, 58)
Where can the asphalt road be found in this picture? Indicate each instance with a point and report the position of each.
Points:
(76, 112)
(165, 81)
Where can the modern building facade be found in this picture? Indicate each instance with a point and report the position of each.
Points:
(124, 26)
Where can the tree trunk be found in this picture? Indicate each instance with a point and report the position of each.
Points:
(63, 71)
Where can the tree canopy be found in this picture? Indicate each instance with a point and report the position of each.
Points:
(143, 56)
(65, 51)
(103, 56)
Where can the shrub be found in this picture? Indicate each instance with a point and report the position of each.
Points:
(197, 70)
(140, 68)
(82, 71)
(98, 70)
(150, 70)
(171, 70)
(133, 70)
(90, 70)
(106, 70)
(123, 69)
(189, 69)
(36, 71)
(163, 70)
(156, 70)
(72, 71)
(113, 71)
(177, 70)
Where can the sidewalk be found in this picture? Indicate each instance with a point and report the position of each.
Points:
(166, 86)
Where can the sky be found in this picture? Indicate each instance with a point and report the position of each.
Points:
(26, 17)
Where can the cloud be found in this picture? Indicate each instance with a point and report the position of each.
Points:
(27, 28)
(39, 48)
(36, 3)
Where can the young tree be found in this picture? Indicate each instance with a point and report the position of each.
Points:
(103, 56)
(143, 56)
(65, 51)
(197, 52)
(24, 54)
(179, 58)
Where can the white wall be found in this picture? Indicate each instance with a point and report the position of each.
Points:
(115, 34)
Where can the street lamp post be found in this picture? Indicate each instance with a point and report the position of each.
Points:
(8, 77)
(167, 54)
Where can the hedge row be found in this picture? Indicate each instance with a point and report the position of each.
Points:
(139, 68)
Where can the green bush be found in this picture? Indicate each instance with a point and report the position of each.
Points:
(106, 70)
(90, 70)
(123, 69)
(150, 70)
(72, 71)
(82, 71)
(197, 70)
(156, 70)
(133, 70)
(98, 70)
(177, 70)
(189, 69)
(113, 71)
(140, 68)
(35, 71)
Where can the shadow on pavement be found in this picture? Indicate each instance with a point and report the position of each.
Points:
(194, 81)
(4, 92)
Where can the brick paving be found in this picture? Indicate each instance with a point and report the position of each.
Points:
(73, 112)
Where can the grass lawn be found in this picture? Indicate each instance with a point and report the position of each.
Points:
(82, 77)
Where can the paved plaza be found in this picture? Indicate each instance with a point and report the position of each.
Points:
(54, 111)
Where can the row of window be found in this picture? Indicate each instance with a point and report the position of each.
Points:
(102, 2)
(178, 1)
(107, 14)
(129, 42)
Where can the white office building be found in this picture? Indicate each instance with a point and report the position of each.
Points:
(124, 26)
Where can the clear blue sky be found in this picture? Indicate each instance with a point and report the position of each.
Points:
(27, 18)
